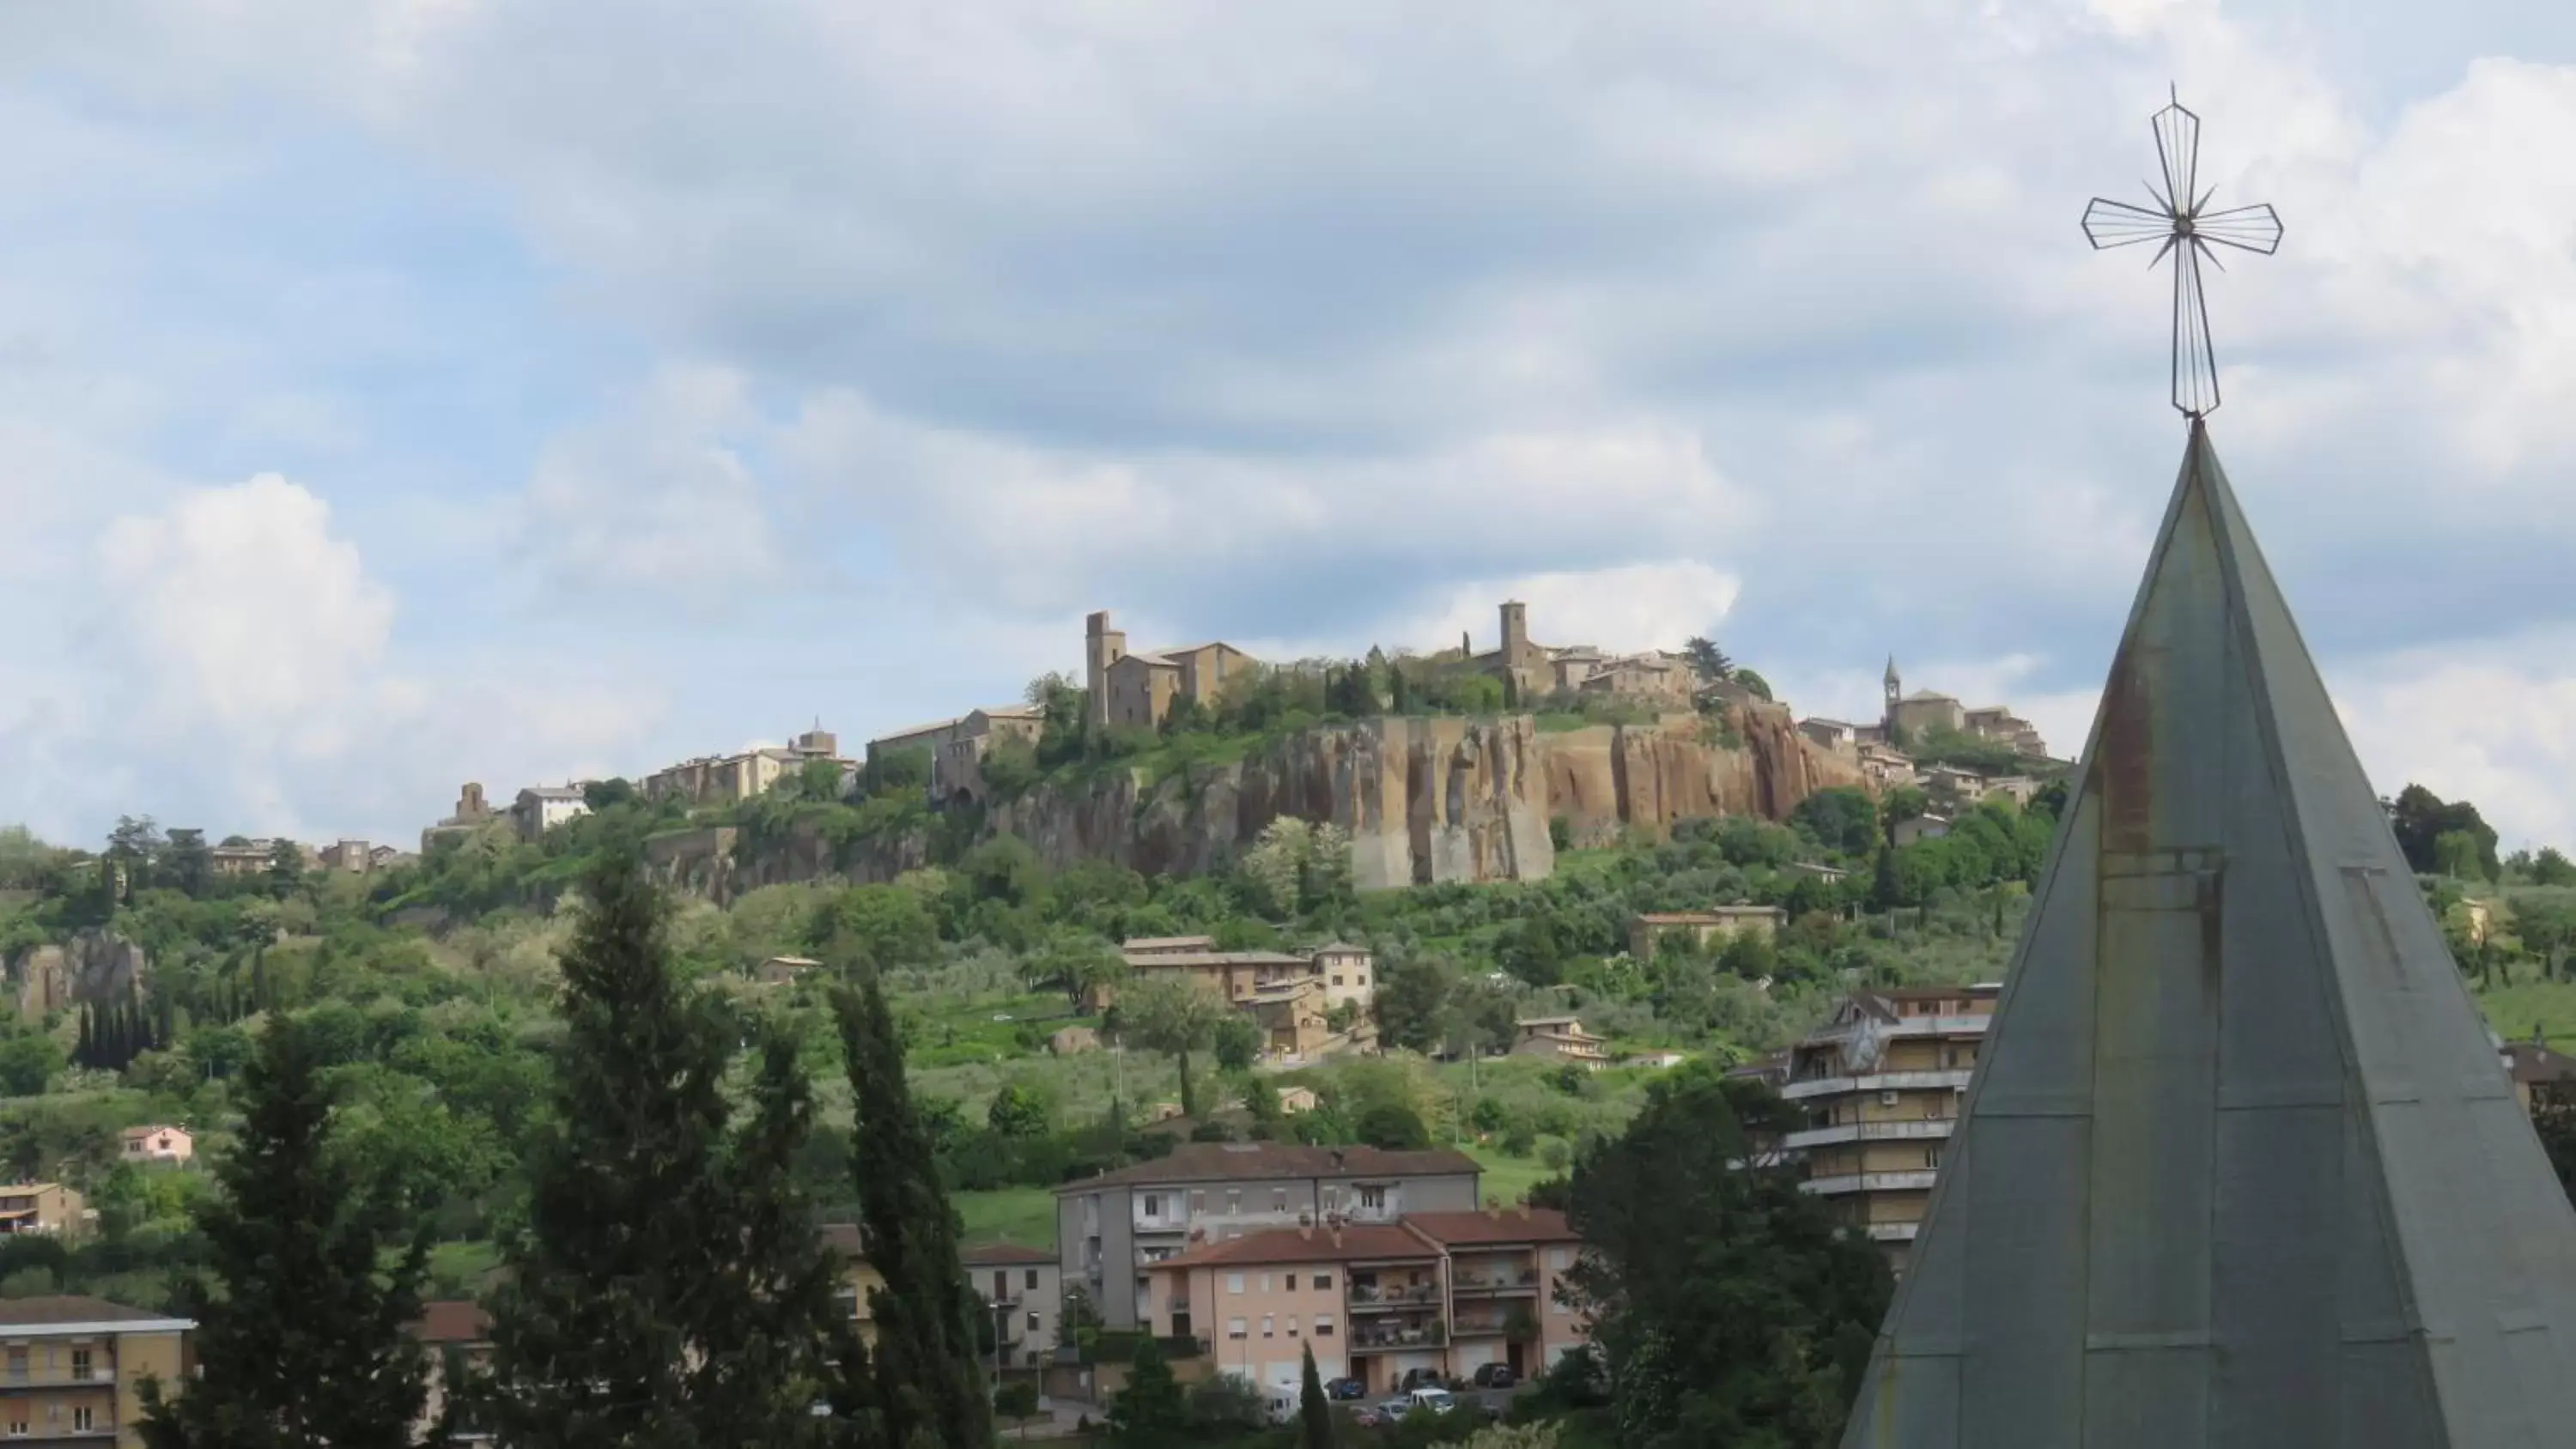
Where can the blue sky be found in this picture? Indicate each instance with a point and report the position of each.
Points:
(399, 394)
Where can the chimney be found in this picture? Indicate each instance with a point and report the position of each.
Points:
(1525, 1210)
(1305, 1230)
(1337, 1236)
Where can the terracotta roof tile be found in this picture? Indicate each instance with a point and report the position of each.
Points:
(1267, 1161)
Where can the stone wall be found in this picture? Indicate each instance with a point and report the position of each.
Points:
(1611, 777)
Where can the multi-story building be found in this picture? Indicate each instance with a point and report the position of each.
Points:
(721, 779)
(1023, 1289)
(156, 1144)
(956, 747)
(40, 1207)
(72, 1369)
(472, 813)
(1881, 1084)
(541, 808)
(1138, 689)
(1112, 1227)
(1560, 1039)
(859, 1277)
(1345, 972)
(1647, 931)
(1440, 1292)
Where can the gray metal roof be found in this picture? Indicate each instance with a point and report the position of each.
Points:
(2240, 1165)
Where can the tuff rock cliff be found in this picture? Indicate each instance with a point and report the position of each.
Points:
(92, 965)
(1424, 800)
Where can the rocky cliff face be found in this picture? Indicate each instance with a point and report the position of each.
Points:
(1424, 800)
(94, 965)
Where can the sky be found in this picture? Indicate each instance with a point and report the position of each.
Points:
(403, 393)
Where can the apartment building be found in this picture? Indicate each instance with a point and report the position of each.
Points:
(1438, 1292)
(72, 1369)
(1023, 1289)
(1882, 1084)
(1343, 972)
(1559, 1039)
(1111, 1228)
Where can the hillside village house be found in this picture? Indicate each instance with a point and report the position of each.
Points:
(784, 970)
(242, 857)
(156, 1144)
(1919, 828)
(74, 1369)
(1343, 972)
(1112, 1227)
(1442, 1292)
(354, 857)
(722, 779)
(541, 808)
(41, 1207)
(859, 1277)
(1023, 1290)
(1881, 1085)
(1560, 1039)
(1648, 931)
(956, 747)
(471, 814)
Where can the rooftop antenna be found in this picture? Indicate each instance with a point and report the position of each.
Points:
(2183, 224)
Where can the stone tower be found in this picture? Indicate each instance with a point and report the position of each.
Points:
(1515, 633)
(2239, 1165)
(1102, 646)
(1894, 690)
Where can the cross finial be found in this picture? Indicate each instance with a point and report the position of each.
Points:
(2182, 221)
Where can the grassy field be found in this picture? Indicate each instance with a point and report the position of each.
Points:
(2514, 1010)
(1506, 1177)
(1024, 1215)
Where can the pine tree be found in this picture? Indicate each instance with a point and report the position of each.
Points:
(593, 1325)
(1314, 1411)
(928, 1373)
(1149, 1412)
(305, 1345)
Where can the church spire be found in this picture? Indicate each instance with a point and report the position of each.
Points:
(2239, 1164)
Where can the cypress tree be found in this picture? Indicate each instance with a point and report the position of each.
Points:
(85, 1055)
(593, 1323)
(305, 1346)
(928, 1376)
(1314, 1411)
(775, 1337)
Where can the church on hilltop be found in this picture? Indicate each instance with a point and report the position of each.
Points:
(1905, 720)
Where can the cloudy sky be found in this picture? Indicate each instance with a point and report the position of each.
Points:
(400, 393)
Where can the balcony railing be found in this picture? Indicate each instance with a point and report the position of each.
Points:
(1870, 1182)
(1431, 1333)
(1388, 1300)
(1476, 1284)
(101, 1376)
(1929, 1127)
(1876, 1082)
(1893, 1232)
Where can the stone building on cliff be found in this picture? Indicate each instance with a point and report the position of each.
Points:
(1137, 689)
(1905, 718)
(722, 779)
(1534, 670)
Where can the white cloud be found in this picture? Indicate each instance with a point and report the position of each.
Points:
(2495, 723)
(246, 611)
(1626, 609)
(654, 501)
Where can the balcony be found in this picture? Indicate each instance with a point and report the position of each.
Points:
(1365, 1299)
(1870, 1182)
(1491, 1283)
(1893, 1232)
(1928, 1128)
(98, 1376)
(1877, 1082)
(1397, 1337)
(1481, 1326)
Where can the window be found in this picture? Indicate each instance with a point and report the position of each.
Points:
(1234, 1284)
(81, 1419)
(1292, 1325)
(1033, 1323)
(1373, 1197)
(1032, 1282)
(1234, 1328)
(1332, 1198)
(1279, 1199)
(1267, 1331)
(1153, 1205)
(1234, 1202)
(1198, 1201)
(1265, 1282)
(80, 1365)
(1560, 1259)
(1337, 981)
(1360, 980)
(1323, 1327)
(1291, 1284)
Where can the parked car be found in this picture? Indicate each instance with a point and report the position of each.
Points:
(1430, 1401)
(1420, 1378)
(1345, 1389)
(1495, 1376)
(1383, 1413)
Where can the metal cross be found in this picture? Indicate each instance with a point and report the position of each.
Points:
(2182, 220)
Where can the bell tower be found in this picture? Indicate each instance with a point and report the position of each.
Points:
(1895, 691)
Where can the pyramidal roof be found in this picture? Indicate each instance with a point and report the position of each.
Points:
(2240, 1165)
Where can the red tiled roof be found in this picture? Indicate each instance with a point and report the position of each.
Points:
(994, 1255)
(1304, 1245)
(2528, 1063)
(1513, 1225)
(1274, 1161)
(846, 1238)
(452, 1320)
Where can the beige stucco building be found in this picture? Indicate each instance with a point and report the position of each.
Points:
(1559, 1039)
(1881, 1085)
(41, 1207)
(1437, 1292)
(1023, 1289)
(72, 1369)
(1649, 930)
(957, 747)
(1136, 689)
(722, 779)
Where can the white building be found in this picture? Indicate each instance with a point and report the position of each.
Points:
(541, 808)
